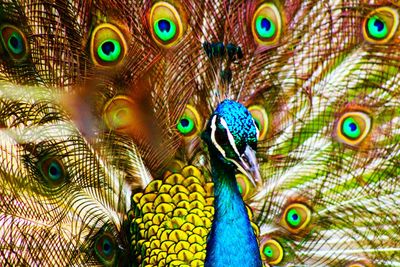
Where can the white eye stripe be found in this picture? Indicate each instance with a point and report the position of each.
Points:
(258, 131)
(230, 137)
(213, 129)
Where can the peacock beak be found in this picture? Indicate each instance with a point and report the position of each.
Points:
(248, 165)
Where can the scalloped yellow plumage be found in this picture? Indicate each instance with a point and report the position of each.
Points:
(172, 219)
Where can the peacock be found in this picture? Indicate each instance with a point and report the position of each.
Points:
(199, 133)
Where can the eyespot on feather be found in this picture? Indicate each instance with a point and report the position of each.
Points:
(105, 249)
(296, 217)
(166, 25)
(380, 25)
(266, 24)
(353, 127)
(271, 251)
(189, 123)
(246, 188)
(118, 113)
(52, 169)
(261, 119)
(107, 46)
(14, 42)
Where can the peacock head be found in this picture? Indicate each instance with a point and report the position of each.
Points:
(231, 135)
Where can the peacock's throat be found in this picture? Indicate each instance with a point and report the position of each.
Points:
(231, 233)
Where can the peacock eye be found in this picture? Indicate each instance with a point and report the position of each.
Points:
(118, 113)
(165, 29)
(109, 50)
(108, 45)
(105, 249)
(52, 169)
(166, 24)
(185, 125)
(380, 25)
(353, 127)
(261, 119)
(244, 185)
(271, 251)
(221, 137)
(296, 217)
(376, 27)
(350, 128)
(189, 123)
(266, 24)
(14, 41)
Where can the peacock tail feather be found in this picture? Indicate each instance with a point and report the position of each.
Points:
(60, 200)
(104, 105)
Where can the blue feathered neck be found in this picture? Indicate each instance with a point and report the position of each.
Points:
(231, 241)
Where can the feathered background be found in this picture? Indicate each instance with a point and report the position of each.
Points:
(81, 133)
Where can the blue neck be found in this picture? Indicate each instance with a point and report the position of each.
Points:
(231, 241)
